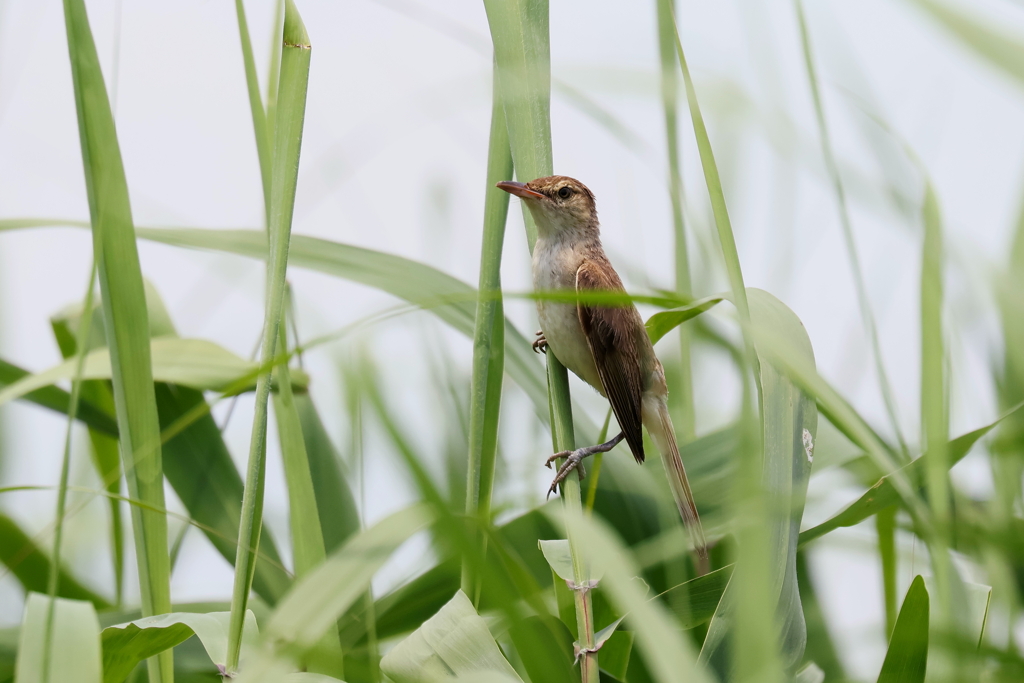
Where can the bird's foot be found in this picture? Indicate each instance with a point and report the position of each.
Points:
(540, 344)
(573, 460)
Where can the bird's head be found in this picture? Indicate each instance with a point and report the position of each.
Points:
(559, 204)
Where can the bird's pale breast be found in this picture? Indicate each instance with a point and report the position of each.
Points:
(554, 268)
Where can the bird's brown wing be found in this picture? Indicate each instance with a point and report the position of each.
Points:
(612, 336)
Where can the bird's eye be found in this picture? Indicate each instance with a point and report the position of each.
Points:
(565, 192)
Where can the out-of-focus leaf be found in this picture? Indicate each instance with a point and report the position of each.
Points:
(195, 363)
(339, 518)
(907, 657)
(883, 494)
(702, 596)
(616, 653)
(74, 648)
(31, 567)
(316, 602)
(545, 649)
(125, 645)
(1003, 50)
(57, 399)
(453, 641)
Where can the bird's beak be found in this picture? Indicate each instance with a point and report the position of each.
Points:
(519, 190)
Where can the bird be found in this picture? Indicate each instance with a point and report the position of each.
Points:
(606, 346)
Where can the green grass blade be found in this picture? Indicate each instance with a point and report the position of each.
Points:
(31, 567)
(686, 428)
(126, 318)
(76, 642)
(303, 517)
(866, 314)
(489, 333)
(287, 143)
(259, 116)
(907, 657)
(339, 517)
(885, 526)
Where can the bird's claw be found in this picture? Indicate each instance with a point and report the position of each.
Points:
(573, 460)
(540, 344)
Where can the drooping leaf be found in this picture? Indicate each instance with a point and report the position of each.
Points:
(455, 641)
(57, 400)
(127, 644)
(75, 642)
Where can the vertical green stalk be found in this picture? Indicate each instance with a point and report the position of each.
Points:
(126, 321)
(686, 426)
(522, 55)
(885, 524)
(259, 117)
(866, 314)
(82, 336)
(489, 335)
(287, 144)
(934, 401)
(755, 631)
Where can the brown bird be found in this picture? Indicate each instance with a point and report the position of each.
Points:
(606, 346)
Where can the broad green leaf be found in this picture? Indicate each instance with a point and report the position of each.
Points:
(559, 558)
(545, 648)
(125, 645)
(195, 363)
(75, 653)
(315, 603)
(19, 553)
(883, 494)
(455, 641)
(126, 318)
(702, 596)
(907, 657)
(288, 125)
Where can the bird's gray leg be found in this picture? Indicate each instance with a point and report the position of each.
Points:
(540, 344)
(574, 459)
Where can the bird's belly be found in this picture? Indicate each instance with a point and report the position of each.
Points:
(562, 329)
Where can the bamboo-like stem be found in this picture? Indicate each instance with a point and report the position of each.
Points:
(522, 56)
(489, 336)
(686, 426)
(287, 143)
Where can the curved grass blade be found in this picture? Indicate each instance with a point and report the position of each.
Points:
(125, 645)
(76, 642)
(660, 324)
(287, 143)
(489, 334)
(907, 656)
(126, 318)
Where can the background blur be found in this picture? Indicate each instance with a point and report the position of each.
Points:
(393, 155)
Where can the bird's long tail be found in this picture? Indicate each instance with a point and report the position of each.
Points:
(664, 436)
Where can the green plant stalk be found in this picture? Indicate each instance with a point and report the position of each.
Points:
(287, 144)
(259, 116)
(885, 524)
(488, 336)
(53, 579)
(686, 425)
(126, 320)
(934, 401)
(866, 314)
(308, 548)
(274, 75)
(522, 54)
(758, 659)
